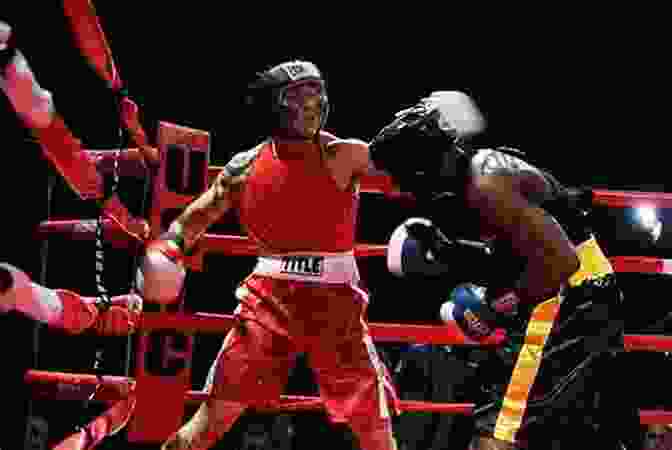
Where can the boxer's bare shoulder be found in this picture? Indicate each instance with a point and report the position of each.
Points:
(347, 159)
(529, 180)
(242, 161)
(495, 162)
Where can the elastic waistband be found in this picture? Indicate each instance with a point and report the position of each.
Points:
(338, 268)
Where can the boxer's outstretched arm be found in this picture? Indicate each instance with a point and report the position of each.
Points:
(204, 211)
(160, 277)
(533, 233)
(360, 158)
(353, 156)
(207, 209)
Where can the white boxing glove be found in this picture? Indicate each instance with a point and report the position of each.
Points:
(161, 275)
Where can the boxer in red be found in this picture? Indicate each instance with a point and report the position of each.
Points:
(296, 194)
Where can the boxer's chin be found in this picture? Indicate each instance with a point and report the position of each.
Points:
(310, 127)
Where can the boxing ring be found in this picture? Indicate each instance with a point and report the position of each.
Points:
(163, 344)
(183, 173)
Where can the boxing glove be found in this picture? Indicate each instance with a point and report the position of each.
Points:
(81, 314)
(161, 274)
(418, 247)
(468, 308)
(504, 302)
(413, 249)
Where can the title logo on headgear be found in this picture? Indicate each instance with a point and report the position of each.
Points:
(297, 70)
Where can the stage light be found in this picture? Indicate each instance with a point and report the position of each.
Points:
(648, 218)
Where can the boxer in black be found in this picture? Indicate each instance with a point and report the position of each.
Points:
(493, 218)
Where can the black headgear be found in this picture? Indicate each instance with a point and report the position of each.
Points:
(267, 93)
(421, 152)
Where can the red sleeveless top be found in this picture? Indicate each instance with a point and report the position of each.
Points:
(291, 203)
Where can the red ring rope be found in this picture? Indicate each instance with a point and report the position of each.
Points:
(121, 389)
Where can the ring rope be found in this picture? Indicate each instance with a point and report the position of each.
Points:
(235, 245)
(239, 245)
(381, 332)
(115, 418)
(68, 386)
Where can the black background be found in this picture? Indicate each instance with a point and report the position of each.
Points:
(581, 92)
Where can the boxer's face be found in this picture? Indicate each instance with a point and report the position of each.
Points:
(304, 104)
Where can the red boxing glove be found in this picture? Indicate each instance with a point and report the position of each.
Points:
(468, 309)
(122, 318)
(81, 314)
(504, 302)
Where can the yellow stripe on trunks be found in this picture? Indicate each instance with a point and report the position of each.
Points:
(594, 264)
